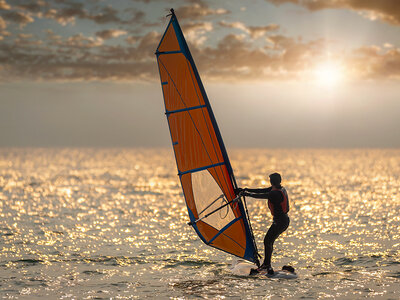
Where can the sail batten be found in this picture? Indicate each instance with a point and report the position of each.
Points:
(203, 166)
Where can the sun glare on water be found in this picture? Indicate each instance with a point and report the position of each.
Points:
(328, 74)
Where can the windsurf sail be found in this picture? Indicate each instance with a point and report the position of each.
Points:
(216, 214)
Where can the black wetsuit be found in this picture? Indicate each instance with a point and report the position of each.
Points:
(280, 221)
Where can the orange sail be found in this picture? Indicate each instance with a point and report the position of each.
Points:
(216, 214)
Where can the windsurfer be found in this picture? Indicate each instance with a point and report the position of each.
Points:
(278, 203)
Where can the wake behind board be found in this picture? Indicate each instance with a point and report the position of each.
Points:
(243, 268)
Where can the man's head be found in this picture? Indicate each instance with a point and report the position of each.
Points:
(275, 179)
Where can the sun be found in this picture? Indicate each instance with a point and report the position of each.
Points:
(328, 74)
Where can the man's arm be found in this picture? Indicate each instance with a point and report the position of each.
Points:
(257, 193)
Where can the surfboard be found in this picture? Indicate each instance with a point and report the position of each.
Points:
(243, 268)
(279, 274)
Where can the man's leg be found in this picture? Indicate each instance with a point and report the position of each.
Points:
(269, 239)
(273, 232)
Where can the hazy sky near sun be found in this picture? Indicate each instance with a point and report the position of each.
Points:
(278, 73)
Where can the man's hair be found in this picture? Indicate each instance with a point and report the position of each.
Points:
(275, 179)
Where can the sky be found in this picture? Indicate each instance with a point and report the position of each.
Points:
(278, 73)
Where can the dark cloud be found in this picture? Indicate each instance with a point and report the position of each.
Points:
(137, 16)
(78, 58)
(18, 17)
(107, 15)
(68, 14)
(385, 10)
(49, 67)
(102, 15)
(33, 6)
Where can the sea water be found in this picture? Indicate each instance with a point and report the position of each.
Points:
(112, 223)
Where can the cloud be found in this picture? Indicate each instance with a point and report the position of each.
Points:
(79, 58)
(148, 43)
(385, 10)
(80, 41)
(67, 14)
(51, 36)
(195, 31)
(104, 15)
(284, 58)
(254, 31)
(107, 15)
(53, 67)
(4, 5)
(3, 24)
(59, 17)
(132, 39)
(18, 17)
(198, 10)
(110, 33)
(21, 42)
(137, 16)
(77, 41)
(4, 33)
(287, 58)
(34, 6)
(373, 62)
(25, 35)
(234, 58)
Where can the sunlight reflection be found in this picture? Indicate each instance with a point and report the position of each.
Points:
(114, 220)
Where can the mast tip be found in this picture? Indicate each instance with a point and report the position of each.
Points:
(172, 12)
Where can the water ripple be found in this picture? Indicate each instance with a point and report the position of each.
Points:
(111, 223)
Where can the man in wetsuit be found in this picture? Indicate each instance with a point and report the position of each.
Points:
(278, 203)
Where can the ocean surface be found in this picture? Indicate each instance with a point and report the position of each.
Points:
(112, 224)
